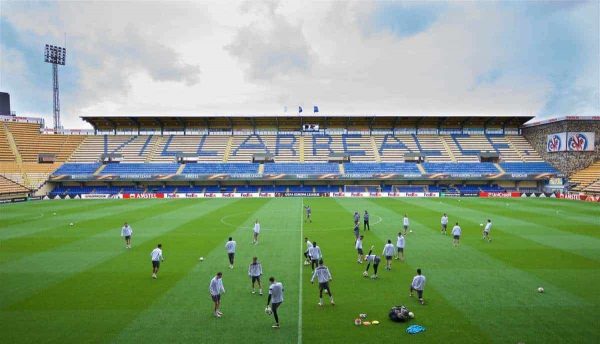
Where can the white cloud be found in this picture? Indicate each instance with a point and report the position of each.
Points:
(257, 57)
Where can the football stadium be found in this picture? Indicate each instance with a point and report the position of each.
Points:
(207, 228)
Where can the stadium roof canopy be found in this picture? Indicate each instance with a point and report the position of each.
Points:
(367, 121)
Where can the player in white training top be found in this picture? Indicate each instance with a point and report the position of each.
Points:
(230, 247)
(400, 246)
(157, 257)
(275, 299)
(359, 248)
(405, 223)
(486, 231)
(388, 253)
(456, 231)
(444, 222)
(256, 232)
(418, 284)
(126, 232)
(309, 245)
(216, 289)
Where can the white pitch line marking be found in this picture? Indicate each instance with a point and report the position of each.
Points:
(300, 289)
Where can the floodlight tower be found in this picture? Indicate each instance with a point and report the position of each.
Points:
(56, 56)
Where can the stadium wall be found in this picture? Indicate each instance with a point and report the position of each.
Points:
(566, 162)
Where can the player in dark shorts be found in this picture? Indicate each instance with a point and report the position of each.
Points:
(323, 276)
(375, 260)
(308, 214)
(356, 230)
(255, 271)
(275, 299)
(366, 225)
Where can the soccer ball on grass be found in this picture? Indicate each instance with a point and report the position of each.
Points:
(411, 315)
(201, 259)
(71, 224)
(540, 290)
(365, 274)
(268, 311)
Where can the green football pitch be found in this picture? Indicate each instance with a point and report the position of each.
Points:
(79, 284)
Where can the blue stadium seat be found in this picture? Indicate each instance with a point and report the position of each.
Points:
(302, 168)
(73, 168)
(384, 167)
(460, 168)
(216, 168)
(528, 167)
(140, 168)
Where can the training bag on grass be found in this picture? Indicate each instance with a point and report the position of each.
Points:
(399, 314)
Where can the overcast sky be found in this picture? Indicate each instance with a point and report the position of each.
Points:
(187, 58)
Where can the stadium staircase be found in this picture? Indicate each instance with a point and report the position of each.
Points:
(261, 168)
(180, 169)
(156, 149)
(447, 148)
(342, 169)
(421, 168)
(301, 148)
(15, 151)
(515, 149)
(375, 150)
(99, 170)
(500, 168)
(228, 149)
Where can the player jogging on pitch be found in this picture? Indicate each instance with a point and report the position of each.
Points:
(400, 246)
(323, 276)
(359, 249)
(275, 299)
(444, 222)
(486, 231)
(230, 247)
(388, 253)
(375, 260)
(356, 230)
(256, 232)
(308, 211)
(126, 232)
(216, 289)
(309, 245)
(315, 255)
(157, 257)
(456, 231)
(366, 225)
(418, 284)
(405, 223)
(255, 271)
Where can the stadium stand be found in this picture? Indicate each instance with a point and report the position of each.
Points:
(587, 179)
(228, 145)
(9, 187)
